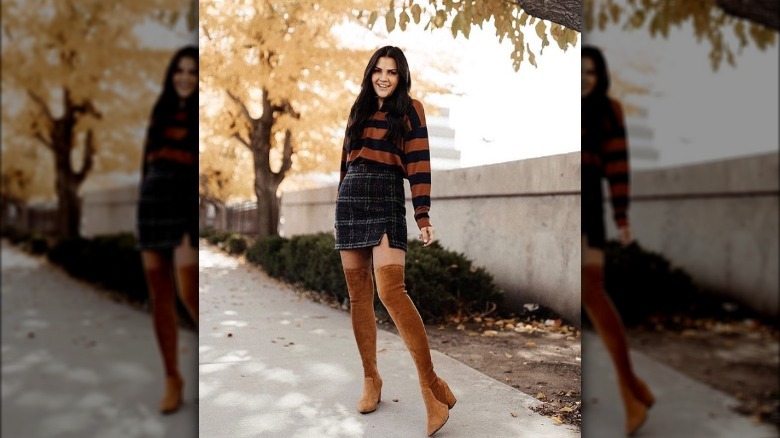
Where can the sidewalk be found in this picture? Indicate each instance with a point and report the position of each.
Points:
(76, 364)
(275, 365)
(684, 408)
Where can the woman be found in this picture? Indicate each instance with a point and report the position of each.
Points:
(168, 212)
(605, 154)
(386, 140)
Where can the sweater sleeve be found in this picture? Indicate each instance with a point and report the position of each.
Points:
(417, 163)
(616, 168)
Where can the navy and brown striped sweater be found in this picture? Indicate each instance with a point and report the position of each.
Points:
(411, 157)
(609, 157)
(170, 139)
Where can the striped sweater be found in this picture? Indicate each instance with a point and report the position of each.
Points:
(170, 140)
(611, 157)
(411, 157)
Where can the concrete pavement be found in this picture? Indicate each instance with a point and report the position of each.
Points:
(273, 364)
(684, 408)
(76, 364)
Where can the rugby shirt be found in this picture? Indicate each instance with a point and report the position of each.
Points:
(611, 157)
(412, 157)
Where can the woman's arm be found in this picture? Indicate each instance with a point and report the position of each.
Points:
(616, 170)
(417, 160)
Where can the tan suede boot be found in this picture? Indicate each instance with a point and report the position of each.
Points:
(436, 394)
(602, 313)
(361, 298)
(162, 292)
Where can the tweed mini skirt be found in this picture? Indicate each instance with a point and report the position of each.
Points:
(370, 203)
(168, 206)
(593, 226)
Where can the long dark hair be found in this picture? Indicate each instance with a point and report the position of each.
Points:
(397, 105)
(168, 102)
(598, 116)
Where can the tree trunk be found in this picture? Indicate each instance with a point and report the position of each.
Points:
(68, 201)
(266, 180)
(61, 140)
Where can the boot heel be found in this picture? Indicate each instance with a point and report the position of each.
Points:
(443, 393)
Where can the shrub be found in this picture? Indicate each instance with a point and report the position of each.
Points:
(219, 236)
(642, 283)
(265, 252)
(235, 244)
(440, 282)
(206, 232)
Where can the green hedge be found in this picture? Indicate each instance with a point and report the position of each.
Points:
(643, 283)
(110, 261)
(32, 242)
(440, 282)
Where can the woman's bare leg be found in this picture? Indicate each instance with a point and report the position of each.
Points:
(186, 262)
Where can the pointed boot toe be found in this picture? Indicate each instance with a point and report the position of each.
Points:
(438, 412)
(636, 411)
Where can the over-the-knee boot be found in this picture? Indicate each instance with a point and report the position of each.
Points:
(361, 308)
(162, 292)
(436, 393)
(634, 392)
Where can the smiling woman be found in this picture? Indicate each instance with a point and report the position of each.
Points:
(386, 140)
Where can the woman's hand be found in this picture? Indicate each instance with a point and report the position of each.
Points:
(624, 235)
(427, 235)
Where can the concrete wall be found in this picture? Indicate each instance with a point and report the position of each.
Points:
(718, 221)
(519, 220)
(109, 211)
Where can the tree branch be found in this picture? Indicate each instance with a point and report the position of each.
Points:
(764, 12)
(564, 12)
(88, 158)
(286, 107)
(42, 104)
(45, 142)
(286, 158)
(242, 140)
(244, 109)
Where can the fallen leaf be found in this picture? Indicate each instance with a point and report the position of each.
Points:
(382, 350)
(489, 333)
(565, 409)
(557, 420)
(508, 356)
(541, 396)
(530, 344)
(461, 327)
(513, 414)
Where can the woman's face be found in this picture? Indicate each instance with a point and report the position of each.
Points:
(185, 77)
(589, 78)
(385, 78)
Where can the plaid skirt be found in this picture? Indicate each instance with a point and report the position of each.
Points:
(168, 206)
(370, 203)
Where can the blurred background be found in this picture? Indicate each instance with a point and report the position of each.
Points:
(699, 289)
(79, 79)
